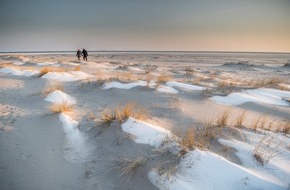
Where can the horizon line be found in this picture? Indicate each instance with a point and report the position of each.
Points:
(144, 51)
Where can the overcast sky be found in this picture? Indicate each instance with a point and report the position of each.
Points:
(185, 25)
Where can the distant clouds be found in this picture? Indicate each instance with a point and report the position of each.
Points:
(256, 25)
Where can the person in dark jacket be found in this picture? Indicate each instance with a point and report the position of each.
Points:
(85, 54)
(79, 54)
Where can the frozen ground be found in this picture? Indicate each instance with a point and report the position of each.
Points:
(237, 105)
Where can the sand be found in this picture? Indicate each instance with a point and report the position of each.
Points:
(75, 150)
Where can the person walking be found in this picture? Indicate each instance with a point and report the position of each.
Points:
(85, 55)
(79, 54)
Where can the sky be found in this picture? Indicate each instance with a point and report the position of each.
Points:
(145, 25)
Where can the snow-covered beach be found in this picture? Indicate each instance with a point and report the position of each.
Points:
(145, 120)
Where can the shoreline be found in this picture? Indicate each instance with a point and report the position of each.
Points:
(141, 51)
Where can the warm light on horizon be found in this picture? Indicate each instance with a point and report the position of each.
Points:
(258, 26)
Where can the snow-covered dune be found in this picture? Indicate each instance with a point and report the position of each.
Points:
(75, 144)
(12, 71)
(203, 170)
(145, 133)
(59, 97)
(67, 76)
(167, 88)
(124, 85)
(184, 86)
(261, 95)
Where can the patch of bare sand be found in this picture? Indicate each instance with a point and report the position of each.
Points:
(32, 155)
(8, 115)
(7, 83)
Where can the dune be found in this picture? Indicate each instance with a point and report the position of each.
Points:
(184, 86)
(145, 133)
(124, 85)
(60, 97)
(204, 129)
(262, 95)
(27, 73)
(67, 76)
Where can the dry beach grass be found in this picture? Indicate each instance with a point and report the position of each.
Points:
(120, 113)
(61, 108)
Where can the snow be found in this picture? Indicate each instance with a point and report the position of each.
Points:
(203, 170)
(76, 147)
(12, 71)
(46, 63)
(167, 89)
(277, 169)
(69, 125)
(70, 63)
(134, 69)
(24, 59)
(59, 97)
(184, 86)
(67, 76)
(145, 133)
(22, 62)
(152, 84)
(124, 85)
(261, 95)
(18, 63)
(30, 73)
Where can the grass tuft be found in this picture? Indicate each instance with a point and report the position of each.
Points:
(46, 70)
(188, 70)
(130, 110)
(163, 78)
(129, 167)
(52, 87)
(122, 113)
(188, 140)
(272, 82)
(286, 128)
(168, 172)
(148, 78)
(59, 108)
(240, 120)
(267, 148)
(77, 68)
(223, 120)
(199, 137)
(108, 116)
(260, 123)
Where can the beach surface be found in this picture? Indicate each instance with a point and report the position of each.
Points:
(145, 120)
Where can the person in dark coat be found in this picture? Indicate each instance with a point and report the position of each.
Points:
(85, 54)
(79, 54)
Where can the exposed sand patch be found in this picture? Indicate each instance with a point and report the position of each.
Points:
(7, 83)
